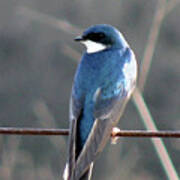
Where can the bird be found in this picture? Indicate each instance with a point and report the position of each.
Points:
(104, 82)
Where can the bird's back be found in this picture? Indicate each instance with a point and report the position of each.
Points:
(95, 71)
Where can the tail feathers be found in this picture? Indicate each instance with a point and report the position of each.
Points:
(86, 176)
(66, 172)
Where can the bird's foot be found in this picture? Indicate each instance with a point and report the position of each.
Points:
(114, 137)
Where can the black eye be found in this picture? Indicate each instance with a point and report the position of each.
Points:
(95, 36)
(101, 35)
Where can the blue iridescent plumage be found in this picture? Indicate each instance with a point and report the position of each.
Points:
(102, 86)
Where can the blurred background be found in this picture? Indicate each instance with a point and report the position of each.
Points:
(38, 59)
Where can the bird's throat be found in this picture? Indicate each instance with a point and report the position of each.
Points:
(93, 47)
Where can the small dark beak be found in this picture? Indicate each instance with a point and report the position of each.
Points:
(78, 38)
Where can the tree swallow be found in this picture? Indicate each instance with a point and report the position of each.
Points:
(103, 84)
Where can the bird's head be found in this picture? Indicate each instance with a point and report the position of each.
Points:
(100, 37)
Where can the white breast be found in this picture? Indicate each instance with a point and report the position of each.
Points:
(130, 73)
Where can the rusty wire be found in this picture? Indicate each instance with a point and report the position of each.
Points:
(65, 132)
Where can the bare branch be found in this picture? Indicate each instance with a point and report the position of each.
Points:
(151, 42)
(158, 143)
(171, 5)
(63, 25)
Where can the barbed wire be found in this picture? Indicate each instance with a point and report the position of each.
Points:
(65, 132)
